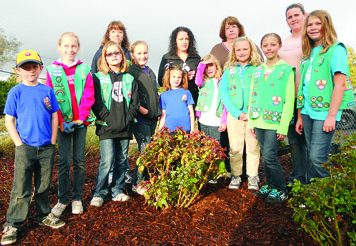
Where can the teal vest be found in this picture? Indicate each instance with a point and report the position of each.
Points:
(321, 85)
(268, 96)
(106, 90)
(239, 88)
(205, 98)
(61, 88)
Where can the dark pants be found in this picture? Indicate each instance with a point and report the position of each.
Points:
(30, 162)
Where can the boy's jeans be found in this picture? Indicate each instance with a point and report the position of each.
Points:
(30, 161)
(143, 132)
(269, 146)
(112, 152)
(69, 145)
(318, 145)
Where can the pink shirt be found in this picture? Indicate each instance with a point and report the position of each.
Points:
(82, 112)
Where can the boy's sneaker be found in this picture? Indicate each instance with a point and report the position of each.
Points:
(97, 202)
(58, 209)
(212, 181)
(121, 197)
(276, 196)
(77, 207)
(52, 221)
(253, 183)
(139, 189)
(9, 235)
(128, 178)
(264, 191)
(235, 182)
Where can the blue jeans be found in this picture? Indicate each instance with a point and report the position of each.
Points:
(269, 146)
(298, 149)
(211, 131)
(113, 152)
(69, 145)
(30, 162)
(318, 144)
(143, 132)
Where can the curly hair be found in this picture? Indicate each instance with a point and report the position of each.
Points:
(118, 25)
(192, 50)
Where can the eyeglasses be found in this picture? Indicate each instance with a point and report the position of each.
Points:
(115, 53)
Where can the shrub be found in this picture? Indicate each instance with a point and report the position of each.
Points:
(326, 208)
(179, 165)
(4, 90)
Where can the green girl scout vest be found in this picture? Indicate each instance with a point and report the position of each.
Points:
(321, 83)
(239, 88)
(106, 90)
(268, 96)
(62, 92)
(206, 97)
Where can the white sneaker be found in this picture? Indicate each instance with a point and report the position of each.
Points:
(97, 202)
(9, 235)
(235, 182)
(58, 209)
(77, 207)
(253, 183)
(121, 197)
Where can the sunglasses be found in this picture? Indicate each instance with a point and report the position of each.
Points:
(116, 53)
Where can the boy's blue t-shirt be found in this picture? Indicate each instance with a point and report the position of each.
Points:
(175, 103)
(32, 106)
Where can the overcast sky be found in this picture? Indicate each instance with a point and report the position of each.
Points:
(37, 24)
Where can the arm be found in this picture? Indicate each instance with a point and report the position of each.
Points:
(191, 117)
(288, 107)
(135, 103)
(10, 124)
(299, 124)
(161, 71)
(99, 108)
(336, 98)
(54, 127)
(87, 99)
(200, 74)
(224, 94)
(162, 120)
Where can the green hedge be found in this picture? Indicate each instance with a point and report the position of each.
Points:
(4, 90)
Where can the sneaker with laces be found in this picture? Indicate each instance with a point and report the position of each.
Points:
(9, 235)
(97, 202)
(139, 189)
(52, 221)
(121, 197)
(276, 196)
(253, 183)
(58, 209)
(264, 191)
(77, 207)
(235, 182)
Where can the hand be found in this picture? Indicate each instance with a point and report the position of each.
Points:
(68, 127)
(252, 132)
(143, 110)
(243, 117)
(222, 128)
(329, 124)
(191, 74)
(299, 126)
(280, 137)
(78, 122)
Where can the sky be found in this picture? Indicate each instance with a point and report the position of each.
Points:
(37, 24)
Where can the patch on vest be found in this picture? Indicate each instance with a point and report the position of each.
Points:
(276, 100)
(320, 84)
(272, 115)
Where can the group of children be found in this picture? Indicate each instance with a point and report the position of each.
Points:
(252, 100)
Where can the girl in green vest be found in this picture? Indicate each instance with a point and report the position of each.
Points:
(324, 89)
(116, 106)
(72, 83)
(210, 109)
(270, 112)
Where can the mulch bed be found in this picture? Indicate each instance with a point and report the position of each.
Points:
(220, 217)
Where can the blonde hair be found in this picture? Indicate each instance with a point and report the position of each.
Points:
(254, 59)
(102, 63)
(133, 46)
(167, 75)
(70, 34)
(215, 61)
(328, 33)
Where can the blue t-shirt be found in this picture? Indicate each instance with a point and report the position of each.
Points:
(32, 106)
(339, 64)
(175, 103)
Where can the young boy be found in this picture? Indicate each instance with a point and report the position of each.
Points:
(32, 122)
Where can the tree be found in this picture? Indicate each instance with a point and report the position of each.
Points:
(352, 64)
(8, 47)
